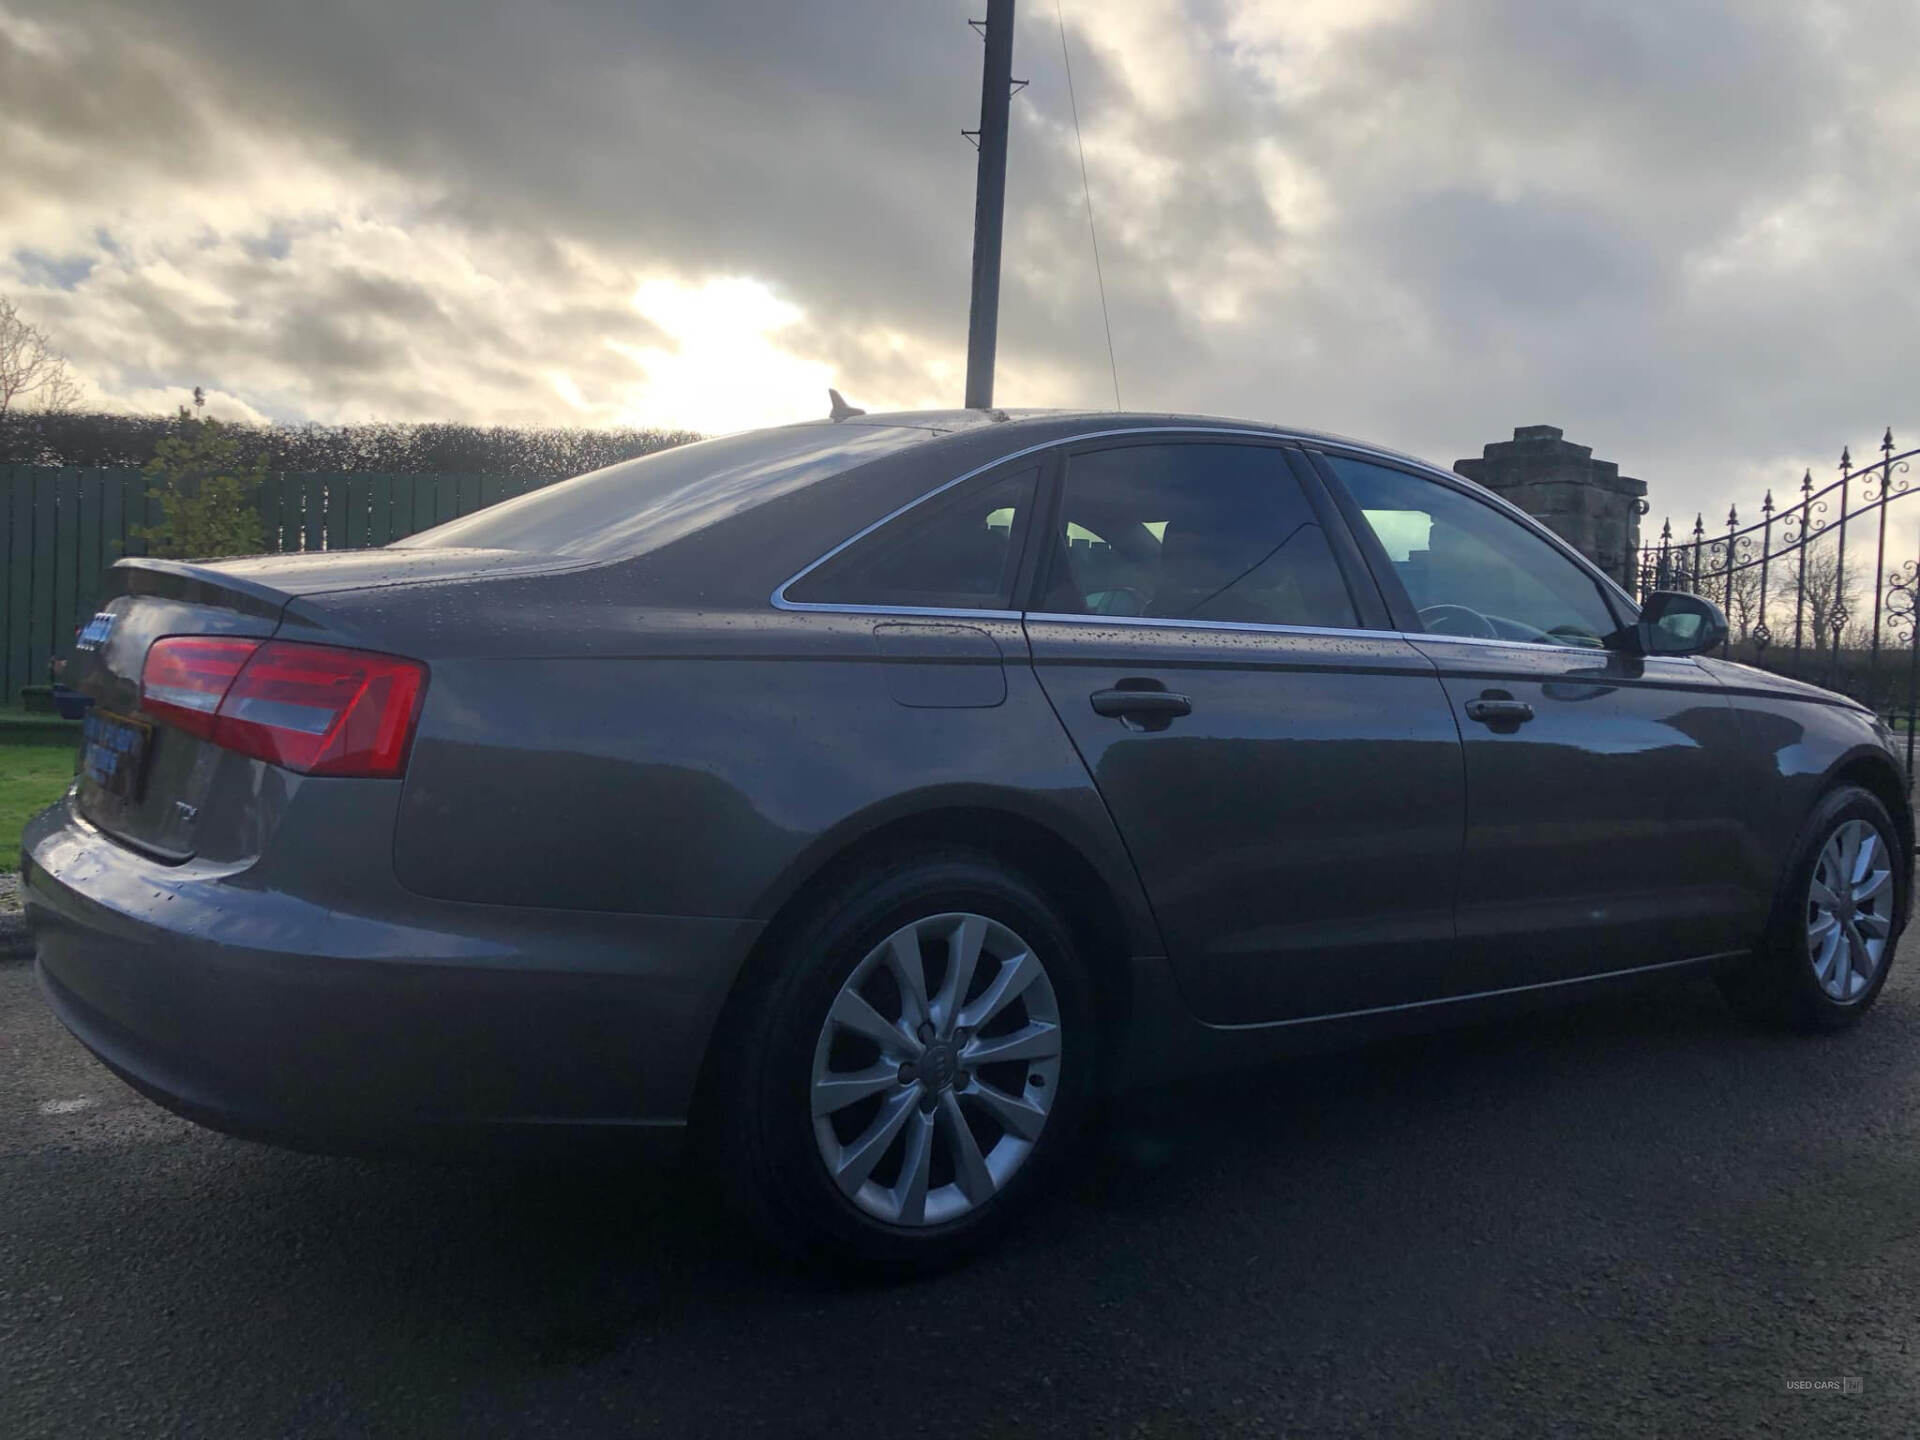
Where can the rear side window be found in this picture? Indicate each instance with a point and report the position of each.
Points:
(953, 552)
(1193, 532)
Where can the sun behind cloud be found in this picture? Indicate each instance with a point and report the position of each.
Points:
(724, 368)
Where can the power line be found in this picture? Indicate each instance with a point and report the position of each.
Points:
(1086, 190)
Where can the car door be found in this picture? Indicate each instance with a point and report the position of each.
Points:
(1285, 771)
(1602, 824)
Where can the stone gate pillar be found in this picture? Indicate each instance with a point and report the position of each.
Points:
(1587, 502)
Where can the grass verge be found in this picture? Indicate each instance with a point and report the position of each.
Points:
(32, 777)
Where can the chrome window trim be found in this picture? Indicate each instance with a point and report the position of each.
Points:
(1505, 644)
(1335, 632)
(779, 598)
(1252, 625)
(908, 612)
(1689, 662)
(938, 612)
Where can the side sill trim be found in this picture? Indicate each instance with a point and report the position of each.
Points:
(1694, 962)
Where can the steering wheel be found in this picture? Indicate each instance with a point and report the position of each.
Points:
(1457, 620)
(1573, 636)
(1115, 600)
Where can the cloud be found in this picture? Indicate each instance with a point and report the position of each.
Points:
(1677, 228)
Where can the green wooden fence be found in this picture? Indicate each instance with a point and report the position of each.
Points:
(61, 528)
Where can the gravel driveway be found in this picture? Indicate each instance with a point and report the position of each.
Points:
(1632, 1217)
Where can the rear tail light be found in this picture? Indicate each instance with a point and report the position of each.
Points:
(187, 676)
(317, 709)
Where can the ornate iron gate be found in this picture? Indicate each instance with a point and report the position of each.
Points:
(1797, 603)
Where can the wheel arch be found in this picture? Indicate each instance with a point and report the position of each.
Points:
(1874, 771)
(1072, 840)
(1877, 774)
(1107, 913)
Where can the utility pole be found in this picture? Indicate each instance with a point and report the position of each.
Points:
(989, 203)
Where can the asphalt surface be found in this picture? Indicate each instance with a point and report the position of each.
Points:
(1634, 1217)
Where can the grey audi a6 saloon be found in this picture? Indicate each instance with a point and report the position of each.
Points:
(870, 796)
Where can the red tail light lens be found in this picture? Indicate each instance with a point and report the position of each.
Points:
(186, 677)
(317, 709)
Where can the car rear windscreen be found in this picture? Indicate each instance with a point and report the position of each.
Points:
(641, 505)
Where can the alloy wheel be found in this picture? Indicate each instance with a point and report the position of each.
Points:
(936, 1069)
(1850, 910)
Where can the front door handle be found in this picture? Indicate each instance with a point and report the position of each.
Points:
(1502, 712)
(1141, 709)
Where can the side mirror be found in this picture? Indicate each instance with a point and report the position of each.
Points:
(1673, 622)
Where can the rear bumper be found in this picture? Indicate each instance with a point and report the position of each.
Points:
(397, 1022)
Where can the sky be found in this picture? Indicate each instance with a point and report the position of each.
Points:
(1682, 230)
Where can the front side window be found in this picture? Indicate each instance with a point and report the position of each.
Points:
(1470, 570)
(953, 552)
(1214, 532)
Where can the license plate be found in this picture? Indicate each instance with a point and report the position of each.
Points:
(113, 752)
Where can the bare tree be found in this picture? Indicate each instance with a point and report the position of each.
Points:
(1742, 600)
(1819, 597)
(31, 370)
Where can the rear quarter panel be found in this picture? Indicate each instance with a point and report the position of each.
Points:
(716, 764)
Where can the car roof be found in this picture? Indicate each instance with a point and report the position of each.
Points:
(1040, 425)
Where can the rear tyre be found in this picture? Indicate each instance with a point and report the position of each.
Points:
(914, 1073)
(1836, 920)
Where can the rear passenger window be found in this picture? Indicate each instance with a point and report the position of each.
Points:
(1193, 532)
(954, 552)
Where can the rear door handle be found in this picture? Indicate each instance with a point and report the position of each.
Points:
(1499, 712)
(1141, 709)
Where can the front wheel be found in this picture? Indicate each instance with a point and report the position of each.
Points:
(1835, 923)
(914, 1071)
